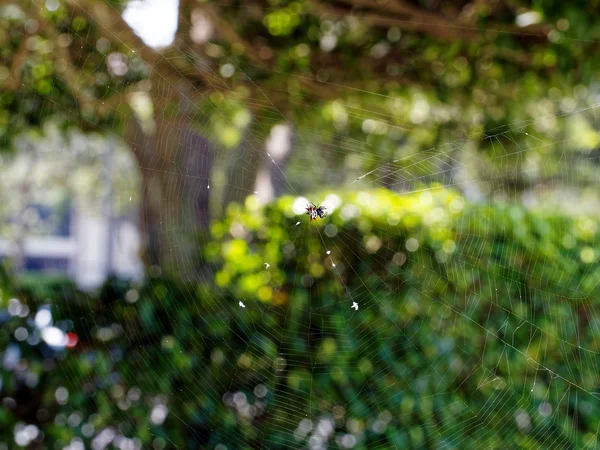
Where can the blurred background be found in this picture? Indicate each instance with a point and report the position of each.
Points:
(161, 286)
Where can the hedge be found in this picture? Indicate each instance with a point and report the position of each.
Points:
(475, 328)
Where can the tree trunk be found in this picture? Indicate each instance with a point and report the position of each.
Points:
(176, 164)
(242, 168)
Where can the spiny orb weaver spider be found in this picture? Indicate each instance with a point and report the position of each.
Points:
(315, 211)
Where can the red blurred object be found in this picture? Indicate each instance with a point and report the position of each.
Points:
(72, 340)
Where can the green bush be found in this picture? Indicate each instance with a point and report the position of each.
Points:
(476, 328)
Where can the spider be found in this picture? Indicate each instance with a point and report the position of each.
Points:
(315, 211)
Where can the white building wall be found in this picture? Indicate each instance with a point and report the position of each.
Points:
(90, 266)
(86, 250)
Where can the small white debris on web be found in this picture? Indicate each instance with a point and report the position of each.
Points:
(297, 223)
(242, 304)
(355, 306)
(129, 198)
(328, 252)
(267, 265)
(333, 264)
(208, 186)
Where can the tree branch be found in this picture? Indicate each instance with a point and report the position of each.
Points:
(425, 20)
(388, 21)
(18, 64)
(113, 27)
(412, 18)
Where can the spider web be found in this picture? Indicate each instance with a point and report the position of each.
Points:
(392, 360)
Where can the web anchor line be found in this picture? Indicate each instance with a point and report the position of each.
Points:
(328, 253)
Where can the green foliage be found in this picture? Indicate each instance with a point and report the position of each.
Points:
(386, 83)
(476, 328)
